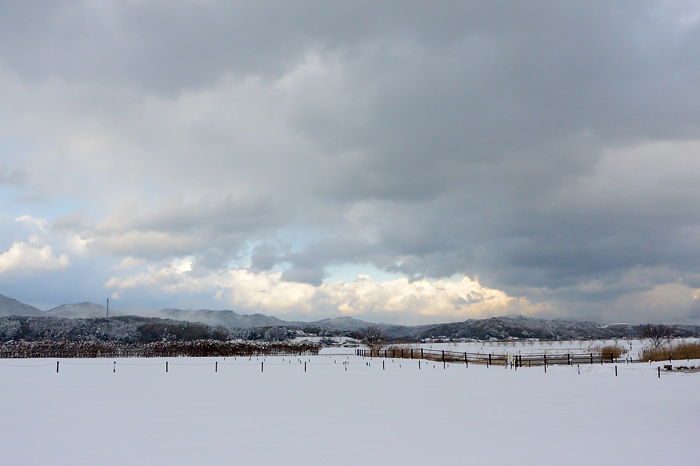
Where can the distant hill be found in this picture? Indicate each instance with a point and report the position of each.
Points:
(231, 320)
(12, 307)
(500, 328)
(228, 319)
(339, 323)
(81, 311)
(260, 326)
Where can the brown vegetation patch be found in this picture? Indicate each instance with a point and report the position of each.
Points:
(681, 350)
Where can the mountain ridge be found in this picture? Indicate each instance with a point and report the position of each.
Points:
(10, 306)
(84, 310)
(262, 326)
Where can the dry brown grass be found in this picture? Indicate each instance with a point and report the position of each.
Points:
(682, 350)
(616, 351)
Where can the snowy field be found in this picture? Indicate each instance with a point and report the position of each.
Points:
(342, 411)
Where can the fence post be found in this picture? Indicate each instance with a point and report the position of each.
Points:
(466, 361)
(489, 360)
(382, 364)
(57, 367)
(262, 366)
(615, 371)
(166, 366)
(411, 353)
(591, 358)
(216, 366)
(568, 359)
(659, 371)
(421, 353)
(304, 366)
(443, 355)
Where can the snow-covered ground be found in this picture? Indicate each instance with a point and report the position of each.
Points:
(343, 410)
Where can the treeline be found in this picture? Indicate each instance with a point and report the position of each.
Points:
(503, 328)
(130, 329)
(114, 349)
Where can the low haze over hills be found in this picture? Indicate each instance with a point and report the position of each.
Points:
(82, 310)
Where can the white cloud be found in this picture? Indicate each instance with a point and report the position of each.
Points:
(677, 300)
(28, 258)
(39, 223)
(267, 291)
(424, 143)
(130, 263)
(77, 244)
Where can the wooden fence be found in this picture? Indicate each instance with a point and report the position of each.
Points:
(517, 360)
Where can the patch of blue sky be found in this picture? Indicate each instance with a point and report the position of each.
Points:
(10, 231)
(17, 202)
(299, 239)
(349, 272)
(454, 278)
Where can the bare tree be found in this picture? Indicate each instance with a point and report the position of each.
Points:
(373, 338)
(657, 334)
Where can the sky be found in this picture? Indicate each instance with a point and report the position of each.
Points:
(405, 162)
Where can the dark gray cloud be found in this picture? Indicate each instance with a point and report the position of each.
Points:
(548, 147)
(12, 176)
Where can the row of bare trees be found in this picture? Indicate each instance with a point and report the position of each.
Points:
(114, 349)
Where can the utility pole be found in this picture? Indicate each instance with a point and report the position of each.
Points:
(108, 308)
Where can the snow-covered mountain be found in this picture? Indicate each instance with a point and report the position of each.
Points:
(81, 311)
(12, 307)
(231, 319)
(263, 326)
(228, 319)
(342, 323)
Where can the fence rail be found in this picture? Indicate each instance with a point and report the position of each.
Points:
(490, 359)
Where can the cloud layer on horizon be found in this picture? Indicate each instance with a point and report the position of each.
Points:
(544, 153)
